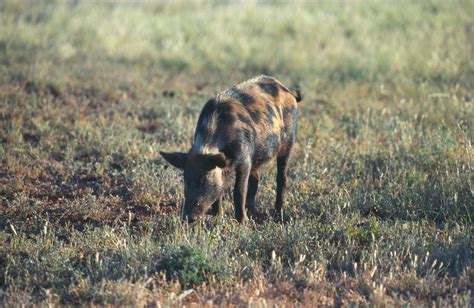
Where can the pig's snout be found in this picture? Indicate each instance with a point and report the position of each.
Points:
(193, 215)
(190, 218)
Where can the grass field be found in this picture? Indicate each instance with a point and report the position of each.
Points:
(380, 203)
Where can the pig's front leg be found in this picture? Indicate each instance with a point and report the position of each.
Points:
(242, 173)
(216, 208)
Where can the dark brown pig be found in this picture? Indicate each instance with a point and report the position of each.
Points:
(241, 130)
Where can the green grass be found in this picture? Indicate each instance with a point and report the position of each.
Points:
(380, 204)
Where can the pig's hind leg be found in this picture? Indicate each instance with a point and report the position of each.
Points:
(252, 192)
(282, 179)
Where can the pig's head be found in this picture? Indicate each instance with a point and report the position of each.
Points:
(203, 181)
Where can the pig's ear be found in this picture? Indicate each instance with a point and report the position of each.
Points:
(216, 160)
(177, 159)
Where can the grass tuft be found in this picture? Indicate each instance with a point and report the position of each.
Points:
(190, 266)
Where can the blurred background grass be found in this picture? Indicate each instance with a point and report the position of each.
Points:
(333, 42)
(381, 177)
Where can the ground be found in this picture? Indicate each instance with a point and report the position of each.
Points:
(380, 199)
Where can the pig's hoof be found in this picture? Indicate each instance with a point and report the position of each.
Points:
(278, 216)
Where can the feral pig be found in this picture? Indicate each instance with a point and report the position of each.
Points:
(241, 130)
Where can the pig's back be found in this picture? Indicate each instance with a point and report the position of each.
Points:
(255, 118)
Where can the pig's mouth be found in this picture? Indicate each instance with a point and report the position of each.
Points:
(192, 218)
